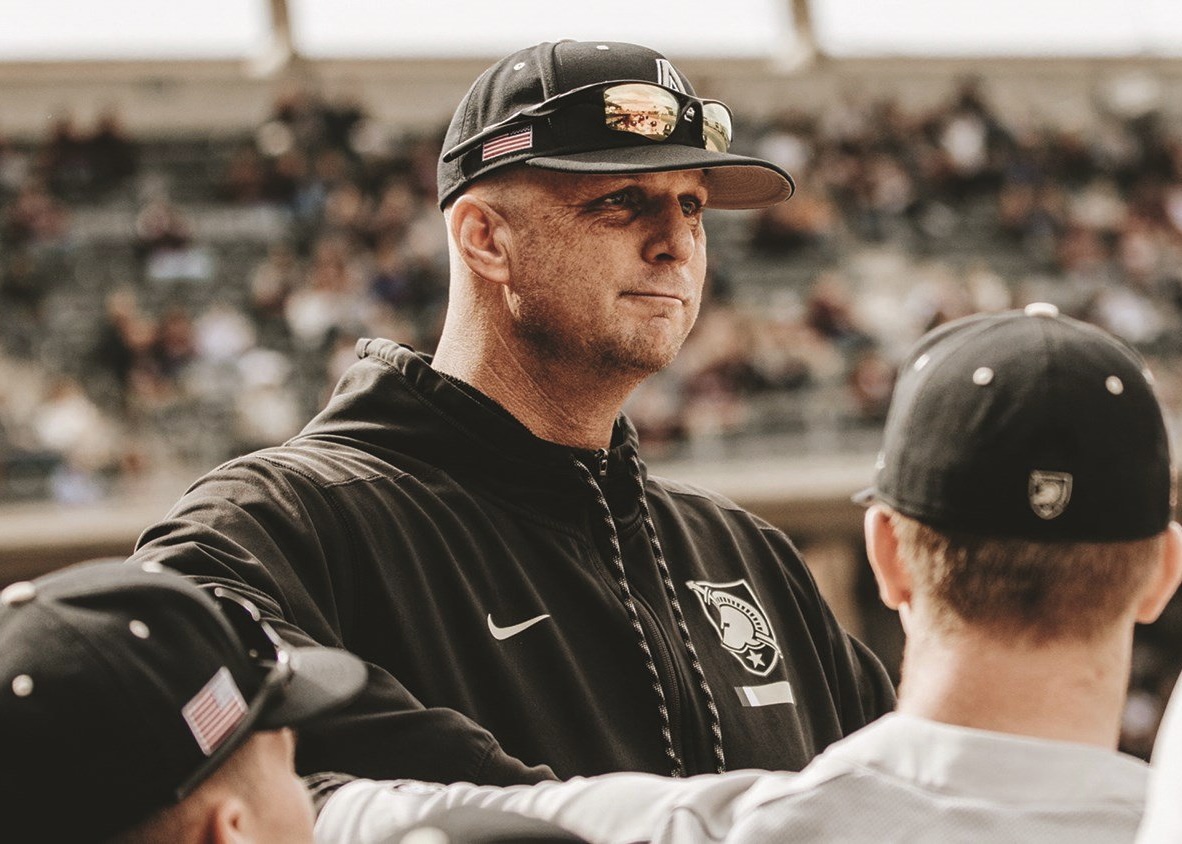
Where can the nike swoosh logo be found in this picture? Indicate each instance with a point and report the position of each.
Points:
(502, 633)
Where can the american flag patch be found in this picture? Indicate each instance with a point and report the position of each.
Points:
(511, 142)
(215, 711)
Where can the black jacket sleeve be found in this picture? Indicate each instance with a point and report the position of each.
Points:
(274, 537)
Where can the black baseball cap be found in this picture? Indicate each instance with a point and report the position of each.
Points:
(510, 96)
(123, 687)
(1027, 424)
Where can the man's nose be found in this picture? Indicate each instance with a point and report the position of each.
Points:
(673, 237)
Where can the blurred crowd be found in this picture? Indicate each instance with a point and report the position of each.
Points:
(902, 219)
(135, 344)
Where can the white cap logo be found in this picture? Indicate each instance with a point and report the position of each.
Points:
(1049, 493)
(667, 76)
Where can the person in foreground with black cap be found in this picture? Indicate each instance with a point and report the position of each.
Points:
(138, 707)
(1021, 522)
(479, 527)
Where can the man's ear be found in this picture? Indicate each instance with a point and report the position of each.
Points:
(882, 548)
(229, 822)
(482, 236)
(1165, 578)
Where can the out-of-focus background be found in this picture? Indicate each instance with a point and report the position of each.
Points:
(204, 205)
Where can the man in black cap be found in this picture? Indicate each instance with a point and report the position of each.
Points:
(1021, 523)
(479, 526)
(136, 707)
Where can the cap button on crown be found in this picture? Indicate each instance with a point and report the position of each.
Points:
(18, 593)
(22, 685)
(1043, 309)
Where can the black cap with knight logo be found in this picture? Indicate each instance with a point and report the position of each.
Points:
(521, 110)
(1027, 424)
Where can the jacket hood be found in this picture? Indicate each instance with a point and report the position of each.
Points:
(392, 402)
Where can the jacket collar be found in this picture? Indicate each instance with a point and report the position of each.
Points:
(392, 400)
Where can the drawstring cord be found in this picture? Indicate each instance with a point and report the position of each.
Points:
(700, 675)
(634, 618)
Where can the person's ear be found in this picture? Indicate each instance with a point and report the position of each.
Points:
(481, 235)
(229, 822)
(882, 548)
(1165, 578)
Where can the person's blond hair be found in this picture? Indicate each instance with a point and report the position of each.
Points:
(1020, 589)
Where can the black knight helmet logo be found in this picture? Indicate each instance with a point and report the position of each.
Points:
(740, 622)
(1049, 493)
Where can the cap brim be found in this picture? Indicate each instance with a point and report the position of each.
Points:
(865, 497)
(735, 181)
(323, 680)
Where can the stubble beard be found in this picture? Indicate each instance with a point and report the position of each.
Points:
(631, 356)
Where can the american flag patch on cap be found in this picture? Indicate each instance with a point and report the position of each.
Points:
(505, 144)
(215, 711)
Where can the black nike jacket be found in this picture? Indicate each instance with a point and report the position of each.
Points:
(589, 617)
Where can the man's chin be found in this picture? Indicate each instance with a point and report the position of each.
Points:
(641, 358)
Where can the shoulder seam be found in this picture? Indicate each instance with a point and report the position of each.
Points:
(322, 483)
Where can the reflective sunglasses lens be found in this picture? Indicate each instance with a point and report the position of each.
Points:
(716, 127)
(639, 109)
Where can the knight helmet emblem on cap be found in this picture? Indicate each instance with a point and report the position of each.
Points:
(1049, 493)
(740, 622)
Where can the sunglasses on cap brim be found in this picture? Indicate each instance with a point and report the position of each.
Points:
(642, 109)
(268, 653)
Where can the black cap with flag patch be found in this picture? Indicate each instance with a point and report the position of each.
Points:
(122, 688)
(599, 107)
(1030, 425)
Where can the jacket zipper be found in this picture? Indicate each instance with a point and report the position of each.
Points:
(677, 765)
(662, 654)
(675, 605)
(655, 633)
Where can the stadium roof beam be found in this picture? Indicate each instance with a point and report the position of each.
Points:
(805, 51)
(280, 53)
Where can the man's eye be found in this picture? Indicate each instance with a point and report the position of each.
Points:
(691, 206)
(619, 199)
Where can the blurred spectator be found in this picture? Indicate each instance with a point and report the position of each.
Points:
(222, 334)
(112, 153)
(271, 284)
(326, 302)
(159, 227)
(70, 425)
(82, 166)
(245, 178)
(34, 218)
(829, 312)
(267, 409)
(64, 162)
(124, 343)
(391, 282)
(14, 166)
(808, 220)
(175, 345)
(164, 244)
(347, 212)
(871, 380)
